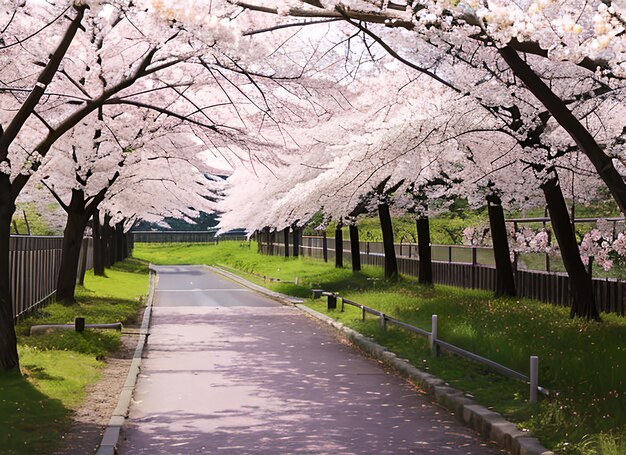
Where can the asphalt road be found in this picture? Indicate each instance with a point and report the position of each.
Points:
(228, 371)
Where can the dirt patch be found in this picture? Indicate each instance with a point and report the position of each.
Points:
(91, 419)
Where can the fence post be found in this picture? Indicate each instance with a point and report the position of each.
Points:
(383, 321)
(332, 301)
(316, 293)
(432, 340)
(474, 262)
(534, 378)
(79, 325)
(449, 253)
(362, 313)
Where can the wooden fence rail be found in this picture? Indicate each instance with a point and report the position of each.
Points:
(34, 263)
(548, 287)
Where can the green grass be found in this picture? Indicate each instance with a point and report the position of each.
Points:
(36, 408)
(583, 362)
(36, 222)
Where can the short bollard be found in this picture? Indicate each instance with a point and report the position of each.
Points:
(79, 324)
(432, 340)
(534, 378)
(332, 301)
(383, 322)
(317, 293)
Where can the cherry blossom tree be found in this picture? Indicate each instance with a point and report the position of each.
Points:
(570, 37)
(72, 61)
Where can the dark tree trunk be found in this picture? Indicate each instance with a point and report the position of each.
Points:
(559, 110)
(325, 246)
(68, 271)
(425, 271)
(505, 280)
(72, 243)
(296, 241)
(82, 269)
(9, 359)
(107, 242)
(267, 240)
(355, 249)
(286, 240)
(127, 244)
(339, 246)
(580, 286)
(119, 241)
(98, 246)
(391, 264)
(270, 246)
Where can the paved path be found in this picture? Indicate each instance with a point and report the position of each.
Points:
(228, 371)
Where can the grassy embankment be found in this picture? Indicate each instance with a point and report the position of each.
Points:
(36, 407)
(584, 362)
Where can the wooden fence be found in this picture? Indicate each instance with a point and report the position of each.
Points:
(476, 273)
(182, 236)
(173, 236)
(34, 267)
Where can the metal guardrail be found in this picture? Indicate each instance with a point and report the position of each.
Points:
(437, 344)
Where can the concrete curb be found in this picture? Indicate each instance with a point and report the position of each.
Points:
(111, 436)
(489, 424)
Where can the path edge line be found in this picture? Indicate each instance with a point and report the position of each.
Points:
(111, 437)
(490, 424)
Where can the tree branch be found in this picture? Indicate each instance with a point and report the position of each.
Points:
(44, 79)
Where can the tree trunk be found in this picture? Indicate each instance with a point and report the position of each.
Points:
(580, 286)
(267, 240)
(286, 240)
(119, 241)
(391, 264)
(296, 241)
(505, 280)
(355, 250)
(425, 271)
(127, 244)
(68, 271)
(109, 260)
(338, 246)
(82, 269)
(72, 243)
(559, 110)
(9, 359)
(98, 246)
